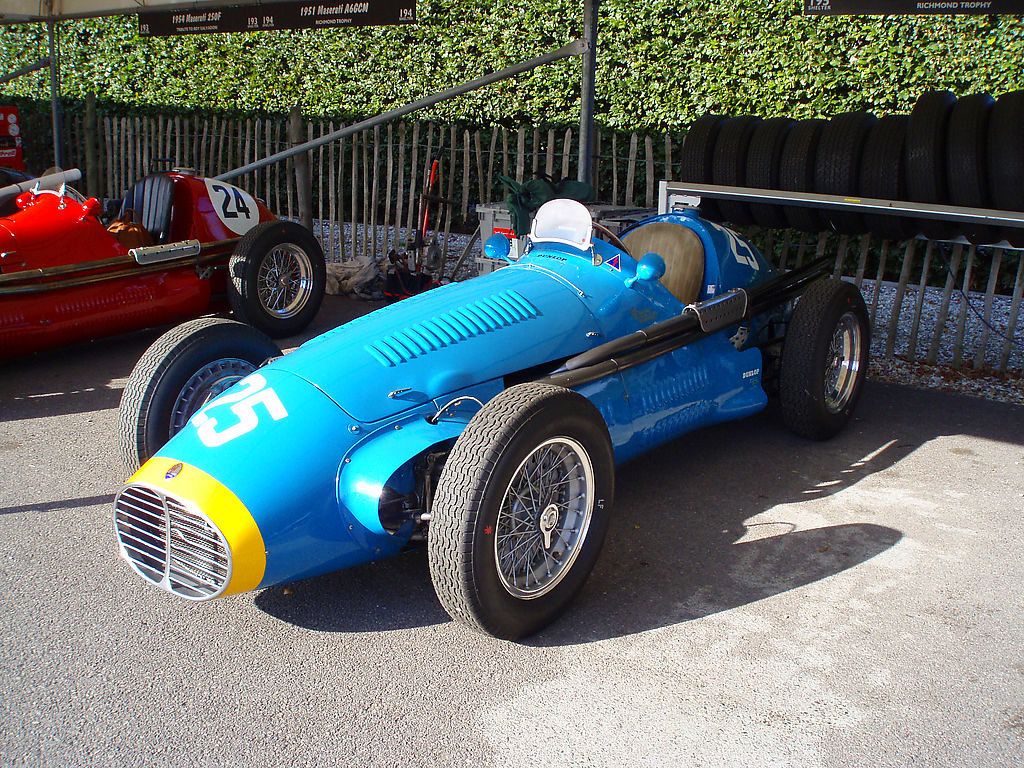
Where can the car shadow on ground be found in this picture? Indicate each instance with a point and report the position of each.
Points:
(57, 506)
(682, 545)
(83, 378)
(90, 376)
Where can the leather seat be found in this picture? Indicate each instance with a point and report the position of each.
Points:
(151, 198)
(682, 251)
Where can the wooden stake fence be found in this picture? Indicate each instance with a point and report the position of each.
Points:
(366, 201)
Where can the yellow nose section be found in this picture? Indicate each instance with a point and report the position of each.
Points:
(203, 494)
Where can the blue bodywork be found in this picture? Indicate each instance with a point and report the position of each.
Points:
(314, 441)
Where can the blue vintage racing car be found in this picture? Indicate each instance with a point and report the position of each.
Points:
(483, 419)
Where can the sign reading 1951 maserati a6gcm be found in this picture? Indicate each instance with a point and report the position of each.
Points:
(483, 419)
(183, 246)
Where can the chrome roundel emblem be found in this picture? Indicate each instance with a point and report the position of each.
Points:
(174, 471)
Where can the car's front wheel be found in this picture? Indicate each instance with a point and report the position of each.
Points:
(521, 510)
(180, 372)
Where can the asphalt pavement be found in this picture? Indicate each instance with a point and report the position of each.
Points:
(761, 601)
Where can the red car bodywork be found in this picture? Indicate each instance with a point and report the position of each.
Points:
(64, 278)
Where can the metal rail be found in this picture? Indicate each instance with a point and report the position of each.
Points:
(574, 48)
(41, 64)
(51, 181)
(673, 193)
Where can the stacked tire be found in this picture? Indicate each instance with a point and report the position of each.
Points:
(966, 152)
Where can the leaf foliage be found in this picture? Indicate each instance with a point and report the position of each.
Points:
(661, 63)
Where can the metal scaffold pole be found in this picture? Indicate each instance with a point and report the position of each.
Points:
(588, 90)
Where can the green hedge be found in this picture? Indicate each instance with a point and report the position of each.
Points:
(661, 63)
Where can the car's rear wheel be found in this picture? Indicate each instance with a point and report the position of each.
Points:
(180, 372)
(824, 359)
(521, 510)
(277, 278)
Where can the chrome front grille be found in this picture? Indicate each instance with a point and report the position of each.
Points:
(170, 545)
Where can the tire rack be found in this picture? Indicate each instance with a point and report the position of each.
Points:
(673, 195)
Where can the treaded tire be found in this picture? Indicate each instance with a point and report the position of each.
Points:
(462, 541)
(882, 175)
(967, 161)
(813, 404)
(764, 156)
(1006, 158)
(837, 165)
(796, 172)
(729, 166)
(156, 388)
(698, 152)
(282, 253)
(926, 158)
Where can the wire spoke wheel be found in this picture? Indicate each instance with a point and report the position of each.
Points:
(204, 385)
(278, 277)
(521, 510)
(544, 518)
(285, 280)
(842, 363)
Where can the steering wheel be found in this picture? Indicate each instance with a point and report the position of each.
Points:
(610, 236)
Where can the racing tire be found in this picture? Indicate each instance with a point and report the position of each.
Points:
(796, 173)
(882, 176)
(763, 159)
(1006, 159)
(277, 278)
(729, 165)
(837, 165)
(698, 154)
(967, 162)
(508, 546)
(926, 158)
(180, 372)
(824, 359)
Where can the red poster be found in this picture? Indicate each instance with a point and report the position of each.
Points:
(10, 139)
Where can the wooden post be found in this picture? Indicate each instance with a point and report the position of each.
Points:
(92, 183)
(993, 282)
(649, 171)
(897, 304)
(878, 281)
(489, 184)
(919, 303)
(668, 156)
(1011, 326)
(965, 296)
(520, 154)
(303, 183)
(615, 168)
(631, 171)
(862, 263)
(940, 321)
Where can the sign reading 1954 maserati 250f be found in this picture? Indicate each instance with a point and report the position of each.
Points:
(483, 419)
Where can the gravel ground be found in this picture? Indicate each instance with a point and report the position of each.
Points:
(899, 368)
(895, 368)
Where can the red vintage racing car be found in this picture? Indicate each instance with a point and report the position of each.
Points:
(183, 246)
